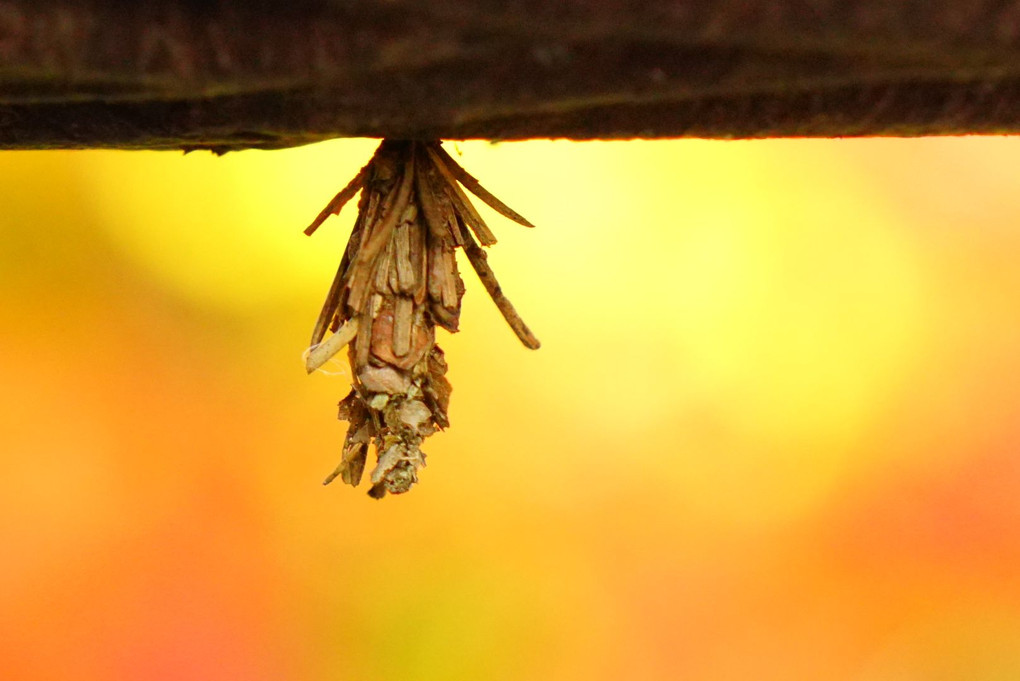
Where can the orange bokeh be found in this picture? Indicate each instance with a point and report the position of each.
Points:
(773, 431)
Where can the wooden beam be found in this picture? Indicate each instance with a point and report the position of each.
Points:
(262, 73)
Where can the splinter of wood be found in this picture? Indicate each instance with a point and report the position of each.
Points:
(325, 351)
(334, 207)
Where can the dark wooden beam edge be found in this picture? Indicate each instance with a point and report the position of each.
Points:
(234, 74)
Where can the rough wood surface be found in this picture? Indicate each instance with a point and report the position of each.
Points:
(262, 73)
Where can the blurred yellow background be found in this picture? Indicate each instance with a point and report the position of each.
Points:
(773, 431)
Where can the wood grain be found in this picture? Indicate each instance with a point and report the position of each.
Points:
(240, 73)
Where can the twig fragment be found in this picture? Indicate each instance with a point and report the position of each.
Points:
(475, 187)
(464, 210)
(479, 261)
(336, 205)
(325, 351)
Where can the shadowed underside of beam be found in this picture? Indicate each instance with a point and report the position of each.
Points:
(241, 73)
